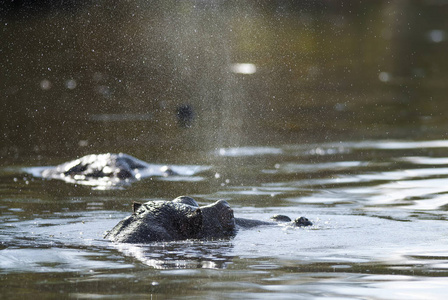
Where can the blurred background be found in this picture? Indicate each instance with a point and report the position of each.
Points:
(172, 80)
(330, 109)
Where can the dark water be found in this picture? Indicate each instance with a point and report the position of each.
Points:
(333, 110)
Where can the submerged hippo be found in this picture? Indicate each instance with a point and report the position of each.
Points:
(108, 166)
(183, 219)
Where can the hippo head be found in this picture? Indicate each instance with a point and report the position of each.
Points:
(179, 219)
(217, 220)
(159, 221)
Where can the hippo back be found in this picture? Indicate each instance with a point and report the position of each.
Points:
(111, 165)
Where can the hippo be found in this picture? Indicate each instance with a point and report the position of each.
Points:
(182, 219)
(109, 166)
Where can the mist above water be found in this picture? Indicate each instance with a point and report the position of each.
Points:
(104, 77)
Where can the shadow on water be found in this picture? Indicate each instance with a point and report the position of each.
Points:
(334, 110)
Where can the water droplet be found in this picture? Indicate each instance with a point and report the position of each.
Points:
(384, 77)
(70, 84)
(436, 36)
(245, 68)
(45, 84)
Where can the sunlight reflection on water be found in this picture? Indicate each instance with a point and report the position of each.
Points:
(370, 216)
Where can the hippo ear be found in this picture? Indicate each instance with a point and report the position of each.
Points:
(136, 206)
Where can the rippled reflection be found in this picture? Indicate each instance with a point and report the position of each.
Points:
(378, 209)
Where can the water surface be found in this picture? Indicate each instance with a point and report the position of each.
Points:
(379, 228)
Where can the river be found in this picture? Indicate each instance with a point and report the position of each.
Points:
(332, 110)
